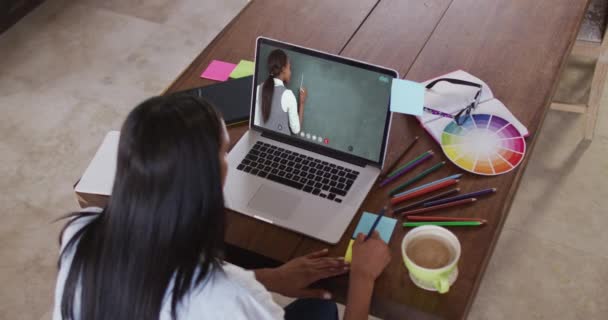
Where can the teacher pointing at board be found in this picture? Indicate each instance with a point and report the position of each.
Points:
(279, 110)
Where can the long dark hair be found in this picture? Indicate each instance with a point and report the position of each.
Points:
(277, 60)
(164, 221)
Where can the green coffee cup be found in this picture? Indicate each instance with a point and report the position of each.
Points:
(439, 249)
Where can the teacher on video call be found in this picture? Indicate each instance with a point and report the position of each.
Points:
(279, 106)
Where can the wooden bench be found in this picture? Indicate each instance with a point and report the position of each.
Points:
(592, 42)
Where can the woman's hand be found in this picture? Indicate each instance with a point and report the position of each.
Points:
(293, 278)
(303, 95)
(370, 257)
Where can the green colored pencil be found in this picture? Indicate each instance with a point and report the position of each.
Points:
(444, 223)
(407, 164)
(418, 177)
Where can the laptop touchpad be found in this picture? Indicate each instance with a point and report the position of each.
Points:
(274, 202)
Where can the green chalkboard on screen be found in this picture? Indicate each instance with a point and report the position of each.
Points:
(345, 105)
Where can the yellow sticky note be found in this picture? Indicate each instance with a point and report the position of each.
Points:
(348, 256)
(243, 69)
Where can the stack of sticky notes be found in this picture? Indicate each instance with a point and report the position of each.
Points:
(218, 70)
(243, 69)
(221, 70)
(385, 228)
(407, 97)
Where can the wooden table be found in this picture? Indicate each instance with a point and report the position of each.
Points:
(517, 46)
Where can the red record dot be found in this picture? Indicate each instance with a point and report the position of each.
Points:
(326, 141)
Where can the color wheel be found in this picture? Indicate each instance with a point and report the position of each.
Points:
(485, 144)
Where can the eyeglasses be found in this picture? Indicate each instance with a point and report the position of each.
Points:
(461, 117)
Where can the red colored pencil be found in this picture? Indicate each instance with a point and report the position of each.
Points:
(424, 191)
(435, 218)
(440, 206)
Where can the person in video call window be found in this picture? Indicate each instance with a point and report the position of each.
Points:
(279, 107)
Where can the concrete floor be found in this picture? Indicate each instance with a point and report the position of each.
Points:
(71, 71)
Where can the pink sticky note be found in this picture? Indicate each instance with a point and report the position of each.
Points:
(218, 70)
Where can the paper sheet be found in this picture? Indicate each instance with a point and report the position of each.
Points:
(385, 228)
(407, 97)
(450, 98)
(243, 69)
(98, 178)
(218, 70)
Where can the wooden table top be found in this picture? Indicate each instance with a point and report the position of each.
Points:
(517, 46)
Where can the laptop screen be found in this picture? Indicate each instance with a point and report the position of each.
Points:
(321, 99)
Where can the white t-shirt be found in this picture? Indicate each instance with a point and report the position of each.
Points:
(233, 294)
(289, 104)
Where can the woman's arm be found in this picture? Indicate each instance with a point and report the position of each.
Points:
(302, 102)
(289, 103)
(369, 260)
(293, 278)
(360, 291)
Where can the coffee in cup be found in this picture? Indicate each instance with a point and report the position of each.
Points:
(431, 254)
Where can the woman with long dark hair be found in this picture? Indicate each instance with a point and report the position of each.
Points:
(279, 109)
(155, 250)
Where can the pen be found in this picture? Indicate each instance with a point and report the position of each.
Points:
(371, 230)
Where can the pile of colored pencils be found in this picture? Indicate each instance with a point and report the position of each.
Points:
(414, 212)
(406, 168)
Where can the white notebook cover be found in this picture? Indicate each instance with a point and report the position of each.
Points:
(98, 178)
(451, 98)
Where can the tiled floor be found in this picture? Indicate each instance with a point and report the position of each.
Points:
(71, 70)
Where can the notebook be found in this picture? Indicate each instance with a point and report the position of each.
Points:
(451, 98)
(98, 178)
(232, 98)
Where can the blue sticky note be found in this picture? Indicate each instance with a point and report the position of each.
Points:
(407, 97)
(385, 226)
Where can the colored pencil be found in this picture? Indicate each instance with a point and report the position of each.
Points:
(421, 202)
(413, 164)
(455, 176)
(418, 177)
(424, 191)
(441, 206)
(435, 218)
(408, 164)
(460, 197)
(396, 163)
(371, 230)
(444, 223)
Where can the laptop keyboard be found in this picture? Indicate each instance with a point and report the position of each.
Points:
(321, 178)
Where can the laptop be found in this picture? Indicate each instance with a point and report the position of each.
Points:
(309, 167)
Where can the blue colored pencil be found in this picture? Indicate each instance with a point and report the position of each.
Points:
(417, 178)
(460, 197)
(427, 156)
(455, 176)
(423, 201)
(382, 212)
